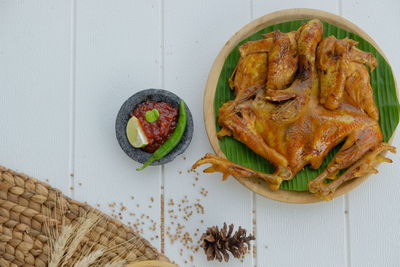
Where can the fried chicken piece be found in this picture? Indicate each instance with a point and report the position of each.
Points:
(293, 123)
(252, 66)
(333, 60)
(254, 47)
(282, 60)
(340, 64)
(366, 165)
(309, 36)
(251, 71)
(359, 91)
(228, 168)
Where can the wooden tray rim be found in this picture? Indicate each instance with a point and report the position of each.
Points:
(211, 85)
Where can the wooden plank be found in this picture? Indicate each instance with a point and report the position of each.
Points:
(35, 85)
(194, 34)
(117, 54)
(373, 213)
(261, 8)
(296, 235)
(300, 235)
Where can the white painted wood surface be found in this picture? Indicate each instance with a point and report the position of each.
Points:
(67, 66)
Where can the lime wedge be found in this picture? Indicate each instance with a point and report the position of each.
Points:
(135, 133)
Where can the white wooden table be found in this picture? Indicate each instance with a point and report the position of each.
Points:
(67, 66)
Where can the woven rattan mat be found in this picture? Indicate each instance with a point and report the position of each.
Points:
(25, 205)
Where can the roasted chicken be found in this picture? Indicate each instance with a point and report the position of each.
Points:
(297, 96)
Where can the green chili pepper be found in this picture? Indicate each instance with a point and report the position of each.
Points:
(172, 141)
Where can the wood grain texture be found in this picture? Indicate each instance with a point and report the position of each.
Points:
(261, 8)
(35, 87)
(194, 33)
(260, 187)
(373, 213)
(122, 47)
(113, 61)
(300, 235)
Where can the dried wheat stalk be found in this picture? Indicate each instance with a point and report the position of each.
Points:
(70, 239)
(89, 259)
(60, 245)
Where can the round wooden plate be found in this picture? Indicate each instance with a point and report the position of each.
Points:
(256, 185)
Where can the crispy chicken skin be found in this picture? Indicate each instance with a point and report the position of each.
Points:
(298, 95)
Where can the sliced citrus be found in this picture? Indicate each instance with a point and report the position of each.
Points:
(135, 133)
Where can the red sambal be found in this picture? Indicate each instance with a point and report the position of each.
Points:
(159, 131)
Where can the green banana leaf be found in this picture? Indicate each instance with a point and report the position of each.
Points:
(382, 82)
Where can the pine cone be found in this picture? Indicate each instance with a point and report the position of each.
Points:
(216, 243)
